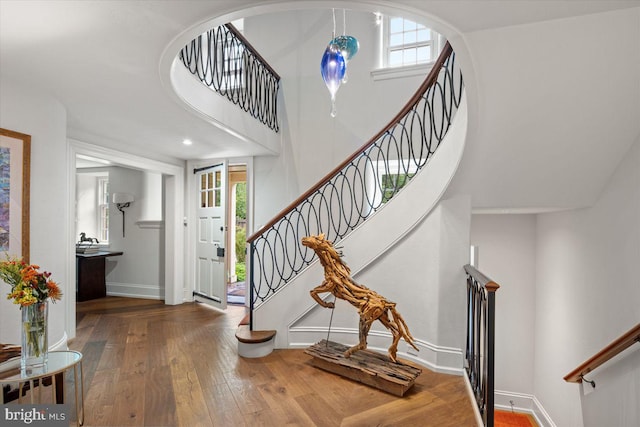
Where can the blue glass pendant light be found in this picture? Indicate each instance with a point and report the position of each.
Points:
(348, 45)
(333, 66)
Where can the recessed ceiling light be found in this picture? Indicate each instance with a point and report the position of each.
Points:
(187, 142)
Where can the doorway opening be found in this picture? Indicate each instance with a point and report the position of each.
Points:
(236, 285)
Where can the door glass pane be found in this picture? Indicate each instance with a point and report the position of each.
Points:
(209, 198)
(218, 199)
(203, 182)
(218, 179)
(210, 180)
(203, 199)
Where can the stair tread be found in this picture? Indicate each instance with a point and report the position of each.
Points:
(245, 320)
(245, 335)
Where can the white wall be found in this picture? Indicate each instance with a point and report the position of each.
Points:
(507, 254)
(26, 110)
(140, 271)
(587, 295)
(546, 88)
(151, 201)
(424, 275)
(249, 135)
(568, 288)
(275, 181)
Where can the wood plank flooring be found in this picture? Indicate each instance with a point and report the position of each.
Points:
(149, 364)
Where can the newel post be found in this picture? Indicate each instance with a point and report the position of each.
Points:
(252, 250)
(491, 288)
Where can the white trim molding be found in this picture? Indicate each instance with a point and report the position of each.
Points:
(157, 224)
(523, 403)
(401, 72)
(135, 290)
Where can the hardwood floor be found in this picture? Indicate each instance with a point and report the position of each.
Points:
(149, 364)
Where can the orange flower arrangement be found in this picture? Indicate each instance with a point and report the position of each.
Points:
(28, 285)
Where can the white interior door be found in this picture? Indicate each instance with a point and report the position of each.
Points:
(211, 280)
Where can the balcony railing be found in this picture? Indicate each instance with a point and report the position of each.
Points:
(226, 62)
(480, 347)
(360, 185)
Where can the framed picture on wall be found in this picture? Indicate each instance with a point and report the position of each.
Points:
(15, 172)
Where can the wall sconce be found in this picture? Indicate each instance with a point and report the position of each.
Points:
(122, 200)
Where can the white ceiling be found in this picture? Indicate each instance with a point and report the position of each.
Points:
(101, 60)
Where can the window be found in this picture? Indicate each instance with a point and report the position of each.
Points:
(393, 175)
(211, 190)
(392, 183)
(408, 43)
(405, 48)
(103, 209)
(92, 204)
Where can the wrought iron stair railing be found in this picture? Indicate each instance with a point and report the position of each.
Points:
(480, 345)
(360, 185)
(224, 60)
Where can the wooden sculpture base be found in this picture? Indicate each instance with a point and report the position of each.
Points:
(364, 366)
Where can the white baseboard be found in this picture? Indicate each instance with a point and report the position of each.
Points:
(134, 290)
(472, 399)
(511, 401)
(525, 403)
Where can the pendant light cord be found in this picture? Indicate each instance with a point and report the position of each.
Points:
(333, 34)
(344, 22)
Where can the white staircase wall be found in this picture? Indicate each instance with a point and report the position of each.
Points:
(255, 138)
(412, 252)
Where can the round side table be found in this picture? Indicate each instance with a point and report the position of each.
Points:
(59, 363)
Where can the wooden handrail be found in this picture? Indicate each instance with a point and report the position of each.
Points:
(483, 280)
(252, 49)
(431, 79)
(617, 346)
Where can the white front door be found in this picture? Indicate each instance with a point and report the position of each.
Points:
(211, 280)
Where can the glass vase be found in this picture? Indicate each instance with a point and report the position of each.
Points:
(35, 347)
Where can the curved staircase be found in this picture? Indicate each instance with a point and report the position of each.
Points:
(348, 196)
(281, 270)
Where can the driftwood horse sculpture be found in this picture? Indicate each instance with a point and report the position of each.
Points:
(371, 305)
